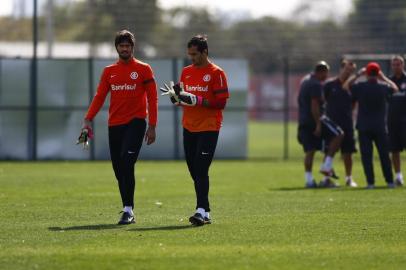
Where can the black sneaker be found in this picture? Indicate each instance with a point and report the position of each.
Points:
(207, 220)
(126, 218)
(197, 219)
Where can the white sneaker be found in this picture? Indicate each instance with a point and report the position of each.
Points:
(327, 171)
(351, 183)
(399, 182)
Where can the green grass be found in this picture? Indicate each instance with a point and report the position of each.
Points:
(266, 140)
(61, 215)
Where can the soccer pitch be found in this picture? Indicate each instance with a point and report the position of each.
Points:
(63, 214)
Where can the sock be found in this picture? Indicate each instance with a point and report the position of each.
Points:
(326, 178)
(308, 177)
(328, 162)
(348, 178)
(207, 215)
(128, 209)
(399, 176)
(201, 211)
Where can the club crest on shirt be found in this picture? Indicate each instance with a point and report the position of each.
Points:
(403, 86)
(134, 75)
(206, 77)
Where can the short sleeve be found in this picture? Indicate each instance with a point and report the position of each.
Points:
(316, 91)
(220, 86)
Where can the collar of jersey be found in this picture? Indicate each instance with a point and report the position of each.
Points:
(121, 62)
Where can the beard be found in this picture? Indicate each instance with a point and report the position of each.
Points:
(125, 56)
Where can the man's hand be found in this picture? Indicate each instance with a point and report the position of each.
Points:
(86, 134)
(150, 135)
(185, 98)
(170, 91)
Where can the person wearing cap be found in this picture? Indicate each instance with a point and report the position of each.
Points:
(397, 116)
(313, 126)
(338, 108)
(372, 96)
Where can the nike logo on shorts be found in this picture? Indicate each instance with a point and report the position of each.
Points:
(131, 152)
(205, 153)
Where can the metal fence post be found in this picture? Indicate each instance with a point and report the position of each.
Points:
(32, 123)
(286, 108)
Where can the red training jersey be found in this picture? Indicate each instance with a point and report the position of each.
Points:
(131, 86)
(209, 82)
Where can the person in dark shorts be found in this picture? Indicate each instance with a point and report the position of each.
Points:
(372, 96)
(313, 126)
(338, 108)
(397, 116)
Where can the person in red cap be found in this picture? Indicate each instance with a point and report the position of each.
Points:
(372, 96)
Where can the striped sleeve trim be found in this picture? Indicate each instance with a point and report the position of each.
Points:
(220, 91)
(148, 81)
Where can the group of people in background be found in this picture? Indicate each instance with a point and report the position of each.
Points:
(326, 109)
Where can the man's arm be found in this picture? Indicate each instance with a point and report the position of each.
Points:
(315, 109)
(392, 85)
(152, 100)
(350, 81)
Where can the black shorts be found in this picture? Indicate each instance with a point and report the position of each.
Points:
(348, 143)
(310, 142)
(397, 135)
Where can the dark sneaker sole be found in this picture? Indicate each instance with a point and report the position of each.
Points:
(126, 222)
(196, 221)
(207, 222)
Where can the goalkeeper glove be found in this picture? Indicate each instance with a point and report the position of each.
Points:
(169, 90)
(85, 135)
(180, 96)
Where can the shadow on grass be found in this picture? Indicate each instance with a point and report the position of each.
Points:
(86, 227)
(163, 228)
(324, 188)
(115, 226)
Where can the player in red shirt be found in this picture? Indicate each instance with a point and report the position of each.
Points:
(133, 96)
(202, 93)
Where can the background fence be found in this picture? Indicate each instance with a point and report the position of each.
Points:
(72, 41)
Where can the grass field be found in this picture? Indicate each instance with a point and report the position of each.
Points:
(62, 215)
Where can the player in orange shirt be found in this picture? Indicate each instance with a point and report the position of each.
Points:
(132, 89)
(202, 93)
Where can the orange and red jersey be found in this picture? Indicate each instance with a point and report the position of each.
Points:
(209, 82)
(131, 86)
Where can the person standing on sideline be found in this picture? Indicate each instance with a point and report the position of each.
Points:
(133, 96)
(372, 96)
(202, 93)
(397, 116)
(313, 125)
(339, 109)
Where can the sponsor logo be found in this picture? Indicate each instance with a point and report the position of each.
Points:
(403, 86)
(197, 88)
(134, 75)
(130, 87)
(206, 77)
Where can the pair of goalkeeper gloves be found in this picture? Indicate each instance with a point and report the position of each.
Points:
(179, 96)
(85, 135)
